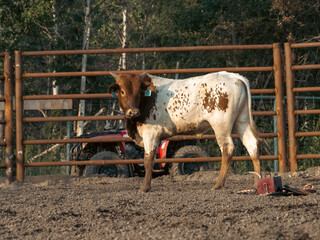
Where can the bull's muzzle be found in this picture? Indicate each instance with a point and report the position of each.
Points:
(132, 113)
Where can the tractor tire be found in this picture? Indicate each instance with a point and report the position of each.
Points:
(119, 170)
(187, 168)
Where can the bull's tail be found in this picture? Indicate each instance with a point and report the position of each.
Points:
(252, 123)
(254, 130)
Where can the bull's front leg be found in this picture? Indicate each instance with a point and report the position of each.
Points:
(148, 166)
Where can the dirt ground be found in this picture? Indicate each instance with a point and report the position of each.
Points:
(178, 207)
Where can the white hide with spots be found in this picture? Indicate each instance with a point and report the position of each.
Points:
(221, 101)
(194, 105)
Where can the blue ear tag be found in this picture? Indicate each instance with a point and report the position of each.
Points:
(147, 93)
(113, 94)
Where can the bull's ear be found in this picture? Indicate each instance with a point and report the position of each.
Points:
(114, 75)
(146, 82)
(113, 87)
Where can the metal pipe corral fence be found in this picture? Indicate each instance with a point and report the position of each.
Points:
(20, 119)
(276, 93)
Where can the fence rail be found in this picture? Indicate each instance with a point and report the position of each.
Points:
(90, 118)
(144, 50)
(106, 73)
(141, 161)
(127, 139)
(108, 95)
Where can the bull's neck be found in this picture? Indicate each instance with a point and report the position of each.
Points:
(131, 126)
(147, 106)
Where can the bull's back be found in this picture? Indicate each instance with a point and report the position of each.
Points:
(192, 103)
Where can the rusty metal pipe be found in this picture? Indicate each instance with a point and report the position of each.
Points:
(19, 117)
(90, 118)
(304, 67)
(67, 96)
(280, 108)
(108, 95)
(304, 45)
(63, 119)
(307, 134)
(311, 111)
(144, 50)
(127, 139)
(76, 140)
(168, 71)
(306, 89)
(8, 112)
(290, 106)
(141, 161)
(306, 156)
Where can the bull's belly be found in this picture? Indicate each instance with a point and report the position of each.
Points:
(190, 128)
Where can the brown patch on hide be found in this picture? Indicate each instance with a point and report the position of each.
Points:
(223, 101)
(209, 102)
(215, 99)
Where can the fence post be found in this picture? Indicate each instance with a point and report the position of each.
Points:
(279, 107)
(19, 116)
(8, 113)
(290, 106)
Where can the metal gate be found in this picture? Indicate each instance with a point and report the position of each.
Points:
(292, 112)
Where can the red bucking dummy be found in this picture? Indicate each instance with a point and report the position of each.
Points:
(269, 185)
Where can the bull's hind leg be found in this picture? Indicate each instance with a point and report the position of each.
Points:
(250, 141)
(227, 148)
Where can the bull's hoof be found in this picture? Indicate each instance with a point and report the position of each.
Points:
(144, 189)
(217, 186)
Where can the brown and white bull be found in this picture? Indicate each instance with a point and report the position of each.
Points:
(221, 101)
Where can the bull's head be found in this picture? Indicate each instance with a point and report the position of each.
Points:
(129, 89)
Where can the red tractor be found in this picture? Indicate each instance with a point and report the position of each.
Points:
(129, 150)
